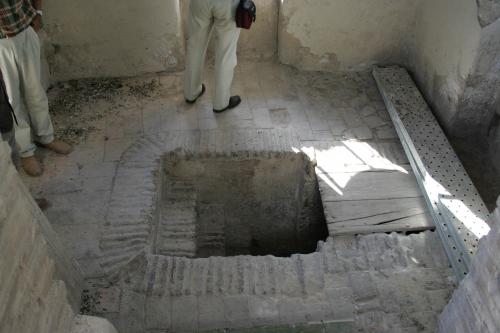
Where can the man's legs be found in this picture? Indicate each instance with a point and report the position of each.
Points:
(32, 89)
(20, 66)
(227, 35)
(200, 24)
(8, 54)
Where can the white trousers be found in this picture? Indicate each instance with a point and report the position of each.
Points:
(203, 16)
(20, 64)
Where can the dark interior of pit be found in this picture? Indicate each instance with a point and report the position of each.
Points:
(267, 205)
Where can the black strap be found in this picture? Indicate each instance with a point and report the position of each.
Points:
(6, 112)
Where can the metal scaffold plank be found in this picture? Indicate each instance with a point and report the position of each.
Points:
(458, 211)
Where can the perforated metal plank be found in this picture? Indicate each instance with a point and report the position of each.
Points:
(458, 211)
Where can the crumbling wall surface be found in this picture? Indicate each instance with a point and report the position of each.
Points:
(40, 286)
(96, 38)
(489, 11)
(258, 43)
(339, 35)
(457, 62)
(447, 39)
(475, 305)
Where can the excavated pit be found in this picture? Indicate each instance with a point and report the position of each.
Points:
(229, 206)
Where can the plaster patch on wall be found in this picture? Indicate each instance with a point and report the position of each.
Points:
(305, 57)
(342, 35)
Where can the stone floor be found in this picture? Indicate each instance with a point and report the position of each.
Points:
(338, 120)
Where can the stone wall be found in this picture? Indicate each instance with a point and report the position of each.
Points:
(447, 41)
(260, 42)
(126, 38)
(339, 35)
(475, 305)
(40, 289)
(457, 62)
(98, 38)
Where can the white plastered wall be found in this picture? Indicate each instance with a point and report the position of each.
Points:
(345, 35)
(447, 43)
(96, 38)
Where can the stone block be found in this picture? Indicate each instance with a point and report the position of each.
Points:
(185, 314)
(342, 303)
(263, 311)
(158, 313)
(132, 312)
(363, 287)
(318, 310)
(292, 311)
(237, 311)
(211, 313)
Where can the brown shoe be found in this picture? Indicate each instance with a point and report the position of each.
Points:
(31, 166)
(59, 147)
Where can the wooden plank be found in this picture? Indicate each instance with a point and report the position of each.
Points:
(372, 212)
(367, 185)
(419, 222)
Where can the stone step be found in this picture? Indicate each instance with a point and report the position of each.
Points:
(177, 225)
(184, 211)
(179, 190)
(212, 240)
(292, 276)
(177, 235)
(121, 244)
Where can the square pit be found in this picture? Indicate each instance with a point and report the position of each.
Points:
(229, 206)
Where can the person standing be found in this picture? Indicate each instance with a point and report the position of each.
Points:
(205, 15)
(20, 64)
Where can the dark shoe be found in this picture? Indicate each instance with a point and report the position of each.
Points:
(234, 101)
(201, 94)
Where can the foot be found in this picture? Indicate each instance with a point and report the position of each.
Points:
(31, 166)
(201, 94)
(59, 147)
(234, 101)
